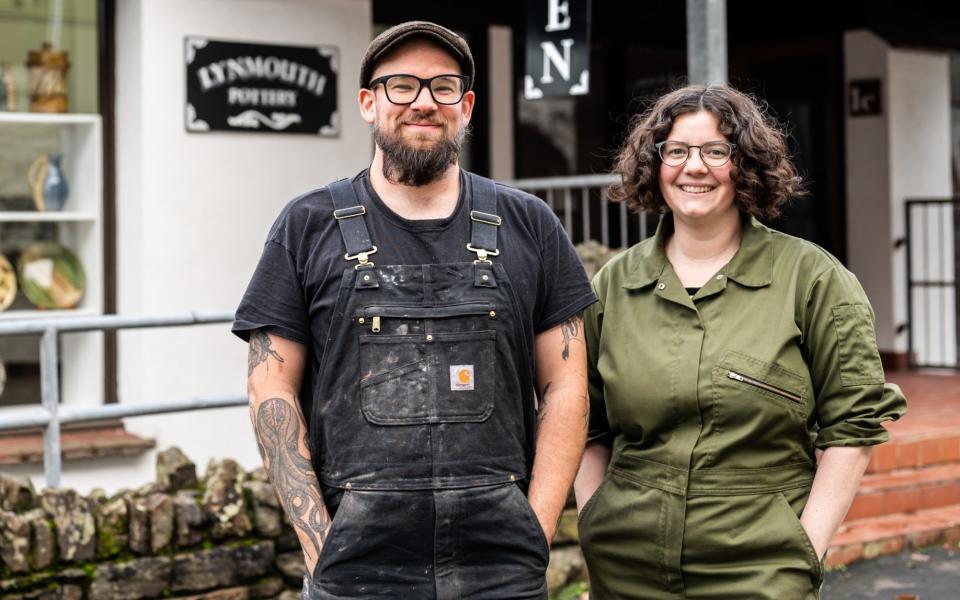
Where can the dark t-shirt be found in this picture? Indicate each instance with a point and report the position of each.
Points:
(294, 288)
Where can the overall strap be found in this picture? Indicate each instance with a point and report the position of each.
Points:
(484, 220)
(349, 215)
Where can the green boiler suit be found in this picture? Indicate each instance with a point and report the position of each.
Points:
(713, 406)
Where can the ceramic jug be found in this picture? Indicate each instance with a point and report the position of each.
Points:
(48, 183)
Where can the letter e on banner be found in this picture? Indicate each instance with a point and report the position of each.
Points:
(558, 48)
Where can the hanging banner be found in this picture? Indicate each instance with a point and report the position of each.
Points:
(235, 86)
(558, 48)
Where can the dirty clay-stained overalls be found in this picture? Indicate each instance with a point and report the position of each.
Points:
(422, 425)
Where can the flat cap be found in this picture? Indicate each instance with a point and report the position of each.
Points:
(396, 35)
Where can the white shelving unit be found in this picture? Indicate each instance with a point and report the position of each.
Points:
(26, 216)
(79, 228)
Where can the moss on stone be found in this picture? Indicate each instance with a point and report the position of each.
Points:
(243, 542)
(107, 542)
(26, 582)
(89, 569)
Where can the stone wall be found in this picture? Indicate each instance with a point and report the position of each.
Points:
(224, 537)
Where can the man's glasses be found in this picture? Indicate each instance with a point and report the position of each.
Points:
(713, 154)
(404, 89)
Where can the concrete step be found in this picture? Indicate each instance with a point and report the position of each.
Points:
(888, 534)
(917, 450)
(906, 491)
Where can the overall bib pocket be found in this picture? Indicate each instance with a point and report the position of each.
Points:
(416, 372)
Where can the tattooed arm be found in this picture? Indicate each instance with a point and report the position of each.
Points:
(561, 362)
(275, 370)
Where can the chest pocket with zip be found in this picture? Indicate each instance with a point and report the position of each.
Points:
(743, 373)
(422, 365)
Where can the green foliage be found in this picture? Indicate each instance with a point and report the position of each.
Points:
(571, 592)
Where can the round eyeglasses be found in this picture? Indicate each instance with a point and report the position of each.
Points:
(404, 89)
(713, 154)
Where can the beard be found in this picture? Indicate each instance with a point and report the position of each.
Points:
(404, 164)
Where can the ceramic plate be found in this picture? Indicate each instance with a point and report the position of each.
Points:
(51, 276)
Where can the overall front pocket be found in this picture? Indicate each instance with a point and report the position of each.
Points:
(425, 376)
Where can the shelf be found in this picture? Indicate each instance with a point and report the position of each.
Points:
(11, 315)
(29, 216)
(49, 118)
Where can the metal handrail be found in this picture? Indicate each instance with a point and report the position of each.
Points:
(572, 181)
(562, 191)
(50, 415)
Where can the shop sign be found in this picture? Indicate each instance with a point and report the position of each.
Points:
(238, 86)
(864, 98)
(558, 48)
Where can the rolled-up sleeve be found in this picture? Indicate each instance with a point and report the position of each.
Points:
(852, 399)
(599, 430)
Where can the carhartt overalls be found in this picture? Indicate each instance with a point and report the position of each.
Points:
(422, 426)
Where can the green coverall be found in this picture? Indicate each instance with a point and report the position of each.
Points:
(713, 406)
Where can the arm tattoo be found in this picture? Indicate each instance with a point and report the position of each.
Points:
(279, 432)
(259, 351)
(571, 329)
(542, 403)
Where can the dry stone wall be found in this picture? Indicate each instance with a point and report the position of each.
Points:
(224, 537)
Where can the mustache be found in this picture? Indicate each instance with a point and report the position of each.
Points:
(423, 121)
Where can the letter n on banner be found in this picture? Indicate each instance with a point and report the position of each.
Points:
(558, 48)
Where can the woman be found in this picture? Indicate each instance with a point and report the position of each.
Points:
(723, 354)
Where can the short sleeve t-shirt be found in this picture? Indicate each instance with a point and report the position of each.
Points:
(294, 288)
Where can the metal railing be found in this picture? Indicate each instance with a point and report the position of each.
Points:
(583, 207)
(933, 268)
(578, 199)
(50, 415)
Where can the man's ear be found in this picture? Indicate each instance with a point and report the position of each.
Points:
(367, 99)
(466, 106)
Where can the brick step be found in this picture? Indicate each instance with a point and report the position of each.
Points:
(889, 534)
(916, 450)
(906, 491)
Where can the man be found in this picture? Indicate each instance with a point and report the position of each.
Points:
(398, 324)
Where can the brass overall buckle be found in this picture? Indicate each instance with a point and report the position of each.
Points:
(361, 258)
(482, 254)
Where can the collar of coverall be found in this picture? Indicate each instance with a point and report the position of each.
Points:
(751, 266)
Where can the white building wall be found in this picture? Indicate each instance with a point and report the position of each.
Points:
(902, 153)
(920, 167)
(193, 211)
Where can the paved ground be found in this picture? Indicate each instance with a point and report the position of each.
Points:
(929, 574)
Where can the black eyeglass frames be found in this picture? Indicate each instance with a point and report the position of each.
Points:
(404, 89)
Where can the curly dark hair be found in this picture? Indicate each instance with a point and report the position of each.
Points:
(763, 175)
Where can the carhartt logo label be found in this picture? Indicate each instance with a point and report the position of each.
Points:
(461, 378)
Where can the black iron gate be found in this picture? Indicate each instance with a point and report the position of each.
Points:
(933, 269)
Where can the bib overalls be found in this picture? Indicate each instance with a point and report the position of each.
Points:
(422, 425)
